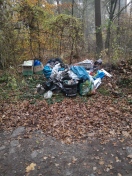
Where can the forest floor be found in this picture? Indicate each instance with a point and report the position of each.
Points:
(81, 136)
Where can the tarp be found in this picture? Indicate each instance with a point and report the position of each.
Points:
(80, 72)
(47, 71)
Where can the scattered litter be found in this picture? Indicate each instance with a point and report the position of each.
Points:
(97, 83)
(38, 67)
(86, 87)
(48, 94)
(27, 67)
(87, 64)
(106, 73)
(83, 77)
(40, 89)
(32, 66)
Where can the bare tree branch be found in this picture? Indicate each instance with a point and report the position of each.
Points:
(122, 10)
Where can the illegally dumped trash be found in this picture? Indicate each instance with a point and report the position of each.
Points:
(38, 67)
(83, 78)
(32, 66)
(48, 94)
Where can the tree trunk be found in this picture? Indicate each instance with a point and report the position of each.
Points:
(71, 56)
(58, 6)
(99, 41)
(72, 7)
(113, 4)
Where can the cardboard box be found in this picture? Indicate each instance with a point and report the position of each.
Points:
(38, 69)
(27, 67)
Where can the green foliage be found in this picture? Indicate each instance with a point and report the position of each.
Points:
(129, 101)
(117, 53)
(104, 91)
(125, 82)
(12, 83)
(3, 78)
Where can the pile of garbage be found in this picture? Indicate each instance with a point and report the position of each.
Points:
(83, 78)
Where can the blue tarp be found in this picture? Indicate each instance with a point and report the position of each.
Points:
(80, 72)
(47, 71)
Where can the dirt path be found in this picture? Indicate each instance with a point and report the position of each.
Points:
(47, 156)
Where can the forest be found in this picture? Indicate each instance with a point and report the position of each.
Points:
(69, 29)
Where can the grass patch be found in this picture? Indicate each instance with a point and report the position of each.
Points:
(103, 91)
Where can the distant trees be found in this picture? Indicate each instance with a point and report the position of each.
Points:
(44, 29)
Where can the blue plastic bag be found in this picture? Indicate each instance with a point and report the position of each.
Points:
(47, 71)
(99, 74)
(80, 72)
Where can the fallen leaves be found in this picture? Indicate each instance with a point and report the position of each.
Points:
(94, 168)
(129, 156)
(57, 165)
(101, 162)
(119, 174)
(70, 120)
(74, 160)
(125, 133)
(45, 158)
(117, 159)
(30, 167)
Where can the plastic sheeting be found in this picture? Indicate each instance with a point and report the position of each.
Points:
(80, 72)
(47, 71)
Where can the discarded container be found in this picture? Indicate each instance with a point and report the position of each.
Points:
(27, 67)
(70, 88)
(38, 67)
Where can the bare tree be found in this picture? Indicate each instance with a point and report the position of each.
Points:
(111, 8)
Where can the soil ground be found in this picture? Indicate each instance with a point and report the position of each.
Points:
(51, 157)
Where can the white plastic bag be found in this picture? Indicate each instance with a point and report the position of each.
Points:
(72, 75)
(48, 94)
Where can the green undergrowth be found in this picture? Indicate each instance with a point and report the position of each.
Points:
(125, 82)
(56, 98)
(18, 87)
(104, 91)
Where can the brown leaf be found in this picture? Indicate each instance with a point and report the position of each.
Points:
(30, 167)
(129, 156)
(101, 162)
(125, 133)
(74, 159)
